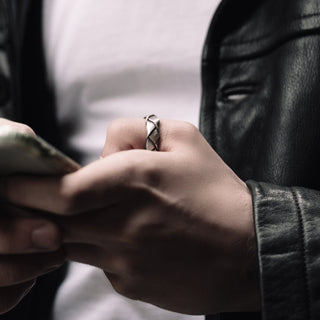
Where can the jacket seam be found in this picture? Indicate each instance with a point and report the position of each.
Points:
(258, 195)
(303, 246)
(269, 34)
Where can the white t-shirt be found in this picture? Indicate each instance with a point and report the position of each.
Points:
(109, 59)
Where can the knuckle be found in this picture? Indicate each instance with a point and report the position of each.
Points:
(121, 265)
(184, 130)
(112, 136)
(130, 264)
(125, 134)
(188, 129)
(116, 127)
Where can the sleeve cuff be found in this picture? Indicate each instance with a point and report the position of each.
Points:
(287, 224)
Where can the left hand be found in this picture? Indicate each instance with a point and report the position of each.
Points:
(171, 228)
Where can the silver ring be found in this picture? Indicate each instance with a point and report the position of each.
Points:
(153, 132)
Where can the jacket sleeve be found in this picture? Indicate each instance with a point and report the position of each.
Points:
(287, 224)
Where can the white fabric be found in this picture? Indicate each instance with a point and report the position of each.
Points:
(109, 59)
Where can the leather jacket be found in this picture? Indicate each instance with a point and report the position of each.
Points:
(260, 111)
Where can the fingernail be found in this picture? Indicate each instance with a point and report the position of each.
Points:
(46, 236)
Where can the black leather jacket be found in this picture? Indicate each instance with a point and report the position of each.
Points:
(260, 111)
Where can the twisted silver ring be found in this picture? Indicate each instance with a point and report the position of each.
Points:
(153, 132)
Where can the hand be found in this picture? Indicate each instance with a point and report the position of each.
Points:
(173, 228)
(28, 247)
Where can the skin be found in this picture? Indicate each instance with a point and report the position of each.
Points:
(173, 228)
(29, 247)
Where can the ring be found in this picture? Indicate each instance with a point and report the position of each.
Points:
(153, 132)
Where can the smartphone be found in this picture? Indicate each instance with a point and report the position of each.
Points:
(24, 153)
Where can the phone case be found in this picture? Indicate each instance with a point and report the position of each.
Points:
(28, 154)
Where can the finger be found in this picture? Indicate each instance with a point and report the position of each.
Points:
(98, 185)
(20, 235)
(11, 296)
(127, 134)
(21, 268)
(102, 183)
(15, 126)
(124, 134)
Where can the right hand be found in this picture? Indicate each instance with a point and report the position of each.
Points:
(29, 247)
(172, 228)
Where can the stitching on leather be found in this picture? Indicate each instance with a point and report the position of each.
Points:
(303, 245)
(271, 33)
